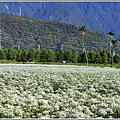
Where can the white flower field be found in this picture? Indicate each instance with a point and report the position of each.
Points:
(59, 91)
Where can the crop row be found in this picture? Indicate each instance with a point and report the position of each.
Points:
(59, 91)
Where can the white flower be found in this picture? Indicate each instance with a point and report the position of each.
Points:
(82, 92)
(102, 112)
(45, 117)
(62, 114)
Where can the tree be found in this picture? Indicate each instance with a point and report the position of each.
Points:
(60, 56)
(37, 55)
(111, 36)
(31, 54)
(19, 56)
(83, 31)
(117, 58)
(114, 45)
(68, 56)
(98, 58)
(11, 54)
(74, 57)
(43, 55)
(82, 57)
(24, 56)
(2, 55)
(92, 56)
(104, 56)
(50, 56)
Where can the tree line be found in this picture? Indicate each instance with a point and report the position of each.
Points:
(113, 45)
(44, 55)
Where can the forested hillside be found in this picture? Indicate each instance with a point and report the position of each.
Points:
(30, 33)
(97, 16)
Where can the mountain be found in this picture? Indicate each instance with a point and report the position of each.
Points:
(118, 39)
(31, 33)
(97, 16)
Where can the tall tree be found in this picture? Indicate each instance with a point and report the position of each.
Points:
(82, 57)
(83, 31)
(117, 58)
(104, 56)
(98, 58)
(60, 55)
(37, 55)
(75, 57)
(11, 55)
(19, 56)
(92, 56)
(31, 54)
(111, 34)
(50, 56)
(2, 55)
(43, 55)
(68, 56)
(24, 56)
(114, 45)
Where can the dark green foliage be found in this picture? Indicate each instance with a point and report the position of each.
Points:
(37, 56)
(28, 33)
(24, 56)
(58, 56)
(19, 56)
(31, 54)
(110, 33)
(104, 55)
(11, 55)
(116, 112)
(117, 58)
(92, 57)
(2, 55)
(83, 29)
(43, 56)
(83, 56)
(68, 56)
(51, 56)
(74, 58)
(98, 58)
(114, 43)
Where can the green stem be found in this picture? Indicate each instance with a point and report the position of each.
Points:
(110, 52)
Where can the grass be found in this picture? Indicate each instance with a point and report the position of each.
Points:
(81, 64)
(60, 63)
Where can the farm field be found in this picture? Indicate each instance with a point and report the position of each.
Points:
(59, 91)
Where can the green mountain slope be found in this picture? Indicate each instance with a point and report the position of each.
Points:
(29, 33)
